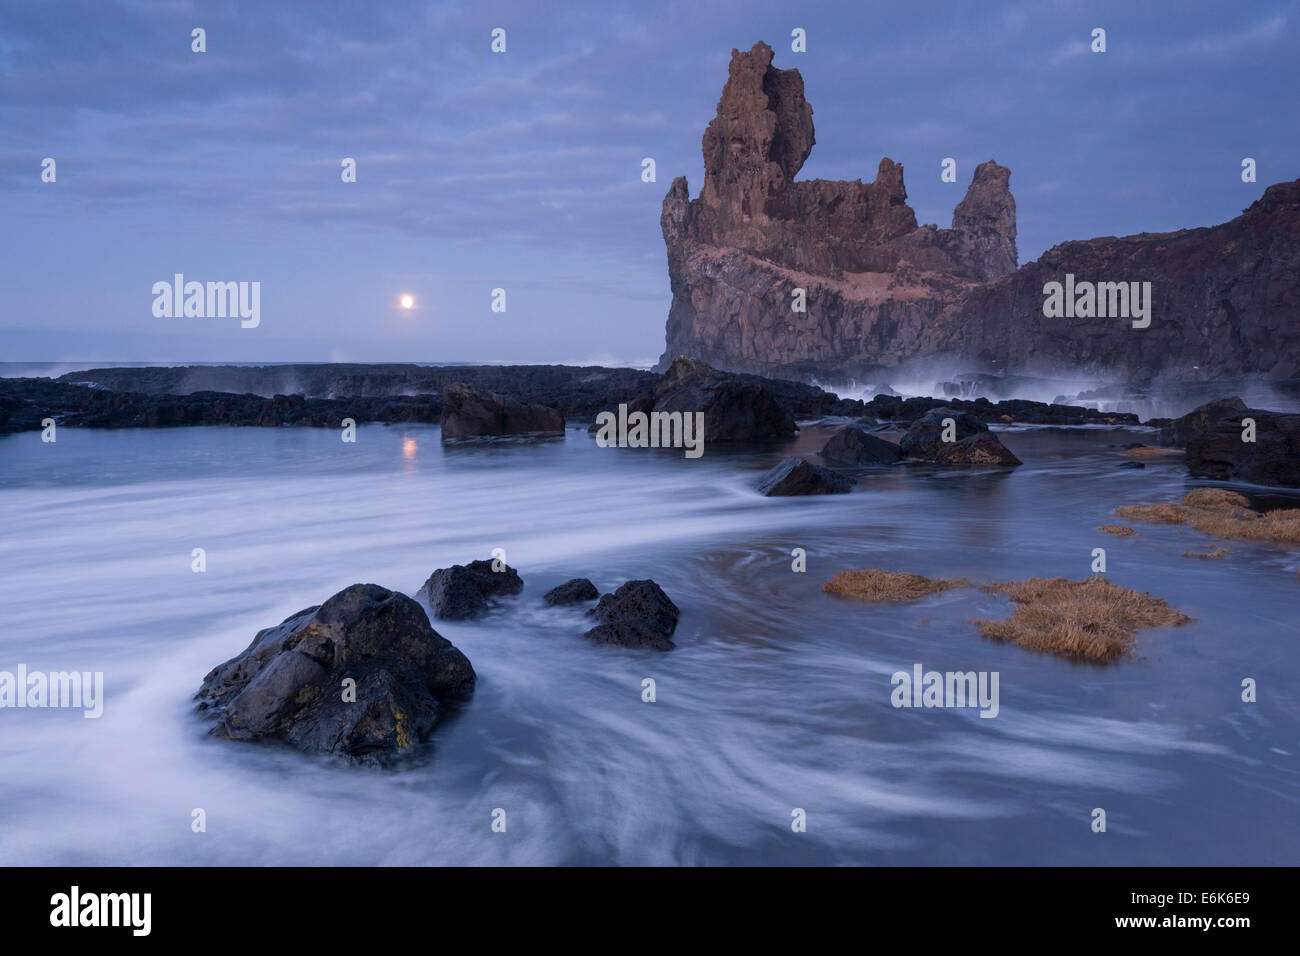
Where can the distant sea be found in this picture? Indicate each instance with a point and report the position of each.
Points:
(55, 369)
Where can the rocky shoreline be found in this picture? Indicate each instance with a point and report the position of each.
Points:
(1225, 439)
(323, 395)
(771, 273)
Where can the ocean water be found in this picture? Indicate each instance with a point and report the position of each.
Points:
(777, 697)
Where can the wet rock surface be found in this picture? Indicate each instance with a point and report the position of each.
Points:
(798, 476)
(1215, 436)
(574, 591)
(470, 413)
(924, 438)
(856, 445)
(574, 391)
(638, 614)
(735, 408)
(983, 448)
(465, 591)
(305, 395)
(291, 683)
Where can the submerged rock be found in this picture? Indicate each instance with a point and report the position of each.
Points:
(469, 413)
(638, 614)
(467, 590)
(798, 476)
(289, 684)
(855, 445)
(572, 592)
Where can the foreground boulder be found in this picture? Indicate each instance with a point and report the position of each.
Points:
(469, 413)
(1214, 433)
(638, 614)
(924, 437)
(735, 408)
(855, 445)
(464, 591)
(289, 684)
(799, 476)
(572, 592)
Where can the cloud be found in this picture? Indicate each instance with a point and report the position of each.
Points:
(540, 149)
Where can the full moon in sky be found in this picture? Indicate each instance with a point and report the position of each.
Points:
(408, 301)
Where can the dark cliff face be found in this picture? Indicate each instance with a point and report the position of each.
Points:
(1225, 301)
(881, 290)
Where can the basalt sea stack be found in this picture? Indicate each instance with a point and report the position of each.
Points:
(881, 289)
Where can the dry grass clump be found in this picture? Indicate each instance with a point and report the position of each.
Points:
(1279, 526)
(872, 584)
(1118, 530)
(1208, 555)
(1215, 498)
(1223, 514)
(1154, 514)
(1150, 451)
(1090, 620)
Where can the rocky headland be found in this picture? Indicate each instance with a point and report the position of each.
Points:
(881, 290)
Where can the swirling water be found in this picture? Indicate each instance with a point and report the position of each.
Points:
(777, 696)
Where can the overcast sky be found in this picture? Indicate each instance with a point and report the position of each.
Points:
(522, 170)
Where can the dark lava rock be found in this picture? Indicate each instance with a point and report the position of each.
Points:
(572, 592)
(1182, 430)
(1023, 411)
(924, 437)
(464, 591)
(736, 408)
(642, 403)
(575, 390)
(1215, 448)
(982, 448)
(468, 413)
(289, 684)
(638, 614)
(24, 402)
(855, 445)
(798, 476)
(1226, 295)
